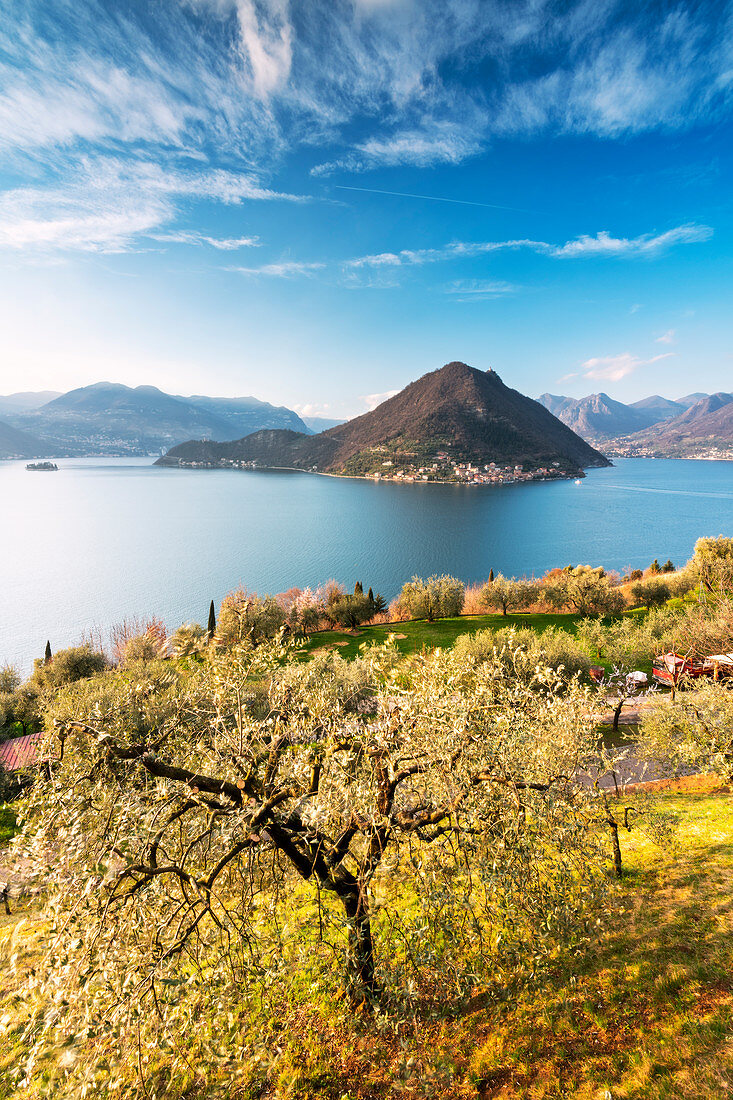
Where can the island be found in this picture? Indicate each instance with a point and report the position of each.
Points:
(456, 424)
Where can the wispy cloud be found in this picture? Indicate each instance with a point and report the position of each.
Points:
(286, 269)
(479, 290)
(603, 244)
(441, 144)
(667, 337)
(399, 83)
(612, 368)
(110, 205)
(225, 244)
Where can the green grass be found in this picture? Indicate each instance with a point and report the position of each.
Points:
(420, 634)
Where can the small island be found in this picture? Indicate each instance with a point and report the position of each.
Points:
(45, 466)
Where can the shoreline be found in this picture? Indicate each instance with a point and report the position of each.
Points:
(391, 480)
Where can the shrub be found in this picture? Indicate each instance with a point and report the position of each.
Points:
(68, 665)
(244, 615)
(525, 650)
(438, 597)
(583, 590)
(651, 593)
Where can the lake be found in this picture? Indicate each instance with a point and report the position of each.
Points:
(104, 539)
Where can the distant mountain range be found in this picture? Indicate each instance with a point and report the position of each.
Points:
(320, 423)
(109, 418)
(463, 414)
(656, 426)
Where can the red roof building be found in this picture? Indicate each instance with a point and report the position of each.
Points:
(20, 752)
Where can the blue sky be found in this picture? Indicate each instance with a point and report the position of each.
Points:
(316, 201)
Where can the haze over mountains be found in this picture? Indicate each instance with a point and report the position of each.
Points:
(468, 415)
(109, 418)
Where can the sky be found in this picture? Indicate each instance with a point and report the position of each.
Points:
(317, 201)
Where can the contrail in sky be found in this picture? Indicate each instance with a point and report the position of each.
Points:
(432, 198)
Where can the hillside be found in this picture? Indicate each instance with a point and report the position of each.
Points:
(455, 415)
(114, 419)
(704, 428)
(18, 444)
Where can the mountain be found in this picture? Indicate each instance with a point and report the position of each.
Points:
(556, 404)
(598, 417)
(468, 415)
(318, 424)
(691, 399)
(25, 402)
(247, 414)
(705, 427)
(19, 444)
(111, 418)
(661, 407)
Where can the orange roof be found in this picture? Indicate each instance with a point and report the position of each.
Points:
(19, 752)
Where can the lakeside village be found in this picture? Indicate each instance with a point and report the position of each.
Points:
(620, 448)
(442, 469)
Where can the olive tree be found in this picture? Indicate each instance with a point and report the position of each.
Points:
(651, 593)
(692, 733)
(712, 564)
(584, 590)
(438, 597)
(508, 593)
(246, 616)
(437, 806)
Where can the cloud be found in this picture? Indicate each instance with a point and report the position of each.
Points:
(366, 83)
(226, 244)
(666, 337)
(636, 307)
(603, 244)
(287, 269)
(371, 400)
(313, 409)
(612, 368)
(442, 144)
(479, 290)
(109, 205)
(266, 43)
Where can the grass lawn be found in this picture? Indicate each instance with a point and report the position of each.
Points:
(644, 1014)
(418, 634)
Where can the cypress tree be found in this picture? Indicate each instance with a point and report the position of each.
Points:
(47, 655)
(370, 596)
(212, 621)
(358, 589)
(491, 576)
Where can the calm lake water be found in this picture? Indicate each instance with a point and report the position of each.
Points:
(105, 539)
